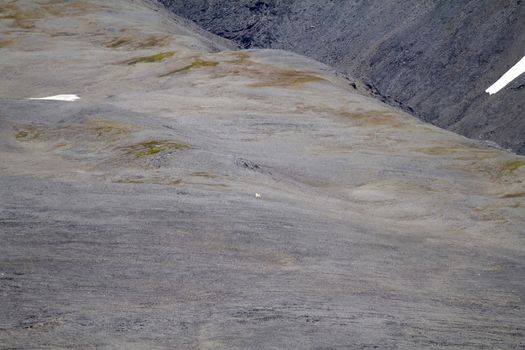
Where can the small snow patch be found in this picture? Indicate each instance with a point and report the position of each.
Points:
(517, 70)
(69, 98)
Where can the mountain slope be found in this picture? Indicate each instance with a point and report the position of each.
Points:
(432, 58)
(128, 218)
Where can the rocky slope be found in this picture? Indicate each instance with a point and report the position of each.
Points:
(432, 58)
(128, 218)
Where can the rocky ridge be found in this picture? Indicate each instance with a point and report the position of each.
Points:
(434, 59)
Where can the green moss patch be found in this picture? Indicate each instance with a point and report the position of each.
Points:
(150, 59)
(197, 63)
(153, 147)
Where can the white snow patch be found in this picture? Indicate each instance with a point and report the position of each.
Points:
(69, 98)
(517, 70)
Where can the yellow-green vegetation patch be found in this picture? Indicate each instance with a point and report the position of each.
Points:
(146, 43)
(197, 63)
(153, 41)
(438, 150)
(25, 17)
(107, 129)
(153, 147)
(14, 15)
(90, 130)
(150, 59)
(20, 18)
(289, 79)
(94, 130)
(11, 11)
(27, 133)
(461, 151)
(512, 165)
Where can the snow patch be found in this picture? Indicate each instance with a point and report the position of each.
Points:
(69, 98)
(517, 70)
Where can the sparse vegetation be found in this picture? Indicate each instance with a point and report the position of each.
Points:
(153, 147)
(118, 43)
(204, 174)
(513, 166)
(132, 180)
(439, 150)
(11, 11)
(94, 130)
(27, 133)
(15, 16)
(25, 18)
(6, 42)
(241, 56)
(373, 118)
(149, 42)
(289, 79)
(153, 41)
(197, 63)
(149, 180)
(150, 59)
(19, 17)
(107, 129)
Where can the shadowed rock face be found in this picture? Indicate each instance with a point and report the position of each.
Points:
(432, 58)
(129, 218)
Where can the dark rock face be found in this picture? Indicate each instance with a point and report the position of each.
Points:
(432, 58)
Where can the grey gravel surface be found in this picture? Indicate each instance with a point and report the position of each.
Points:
(434, 59)
(129, 220)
